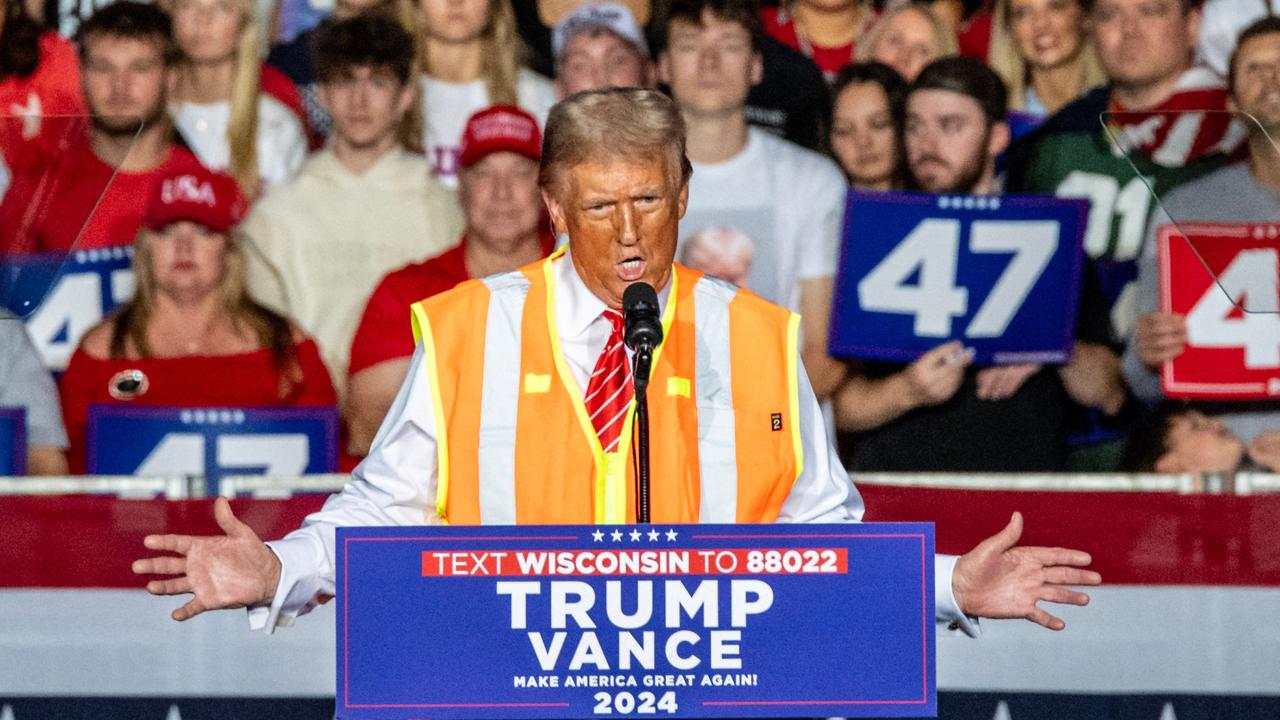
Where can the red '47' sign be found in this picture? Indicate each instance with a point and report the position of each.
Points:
(1224, 279)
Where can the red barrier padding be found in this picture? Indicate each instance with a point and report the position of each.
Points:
(90, 541)
(1135, 538)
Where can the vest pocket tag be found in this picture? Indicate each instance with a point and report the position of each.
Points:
(678, 386)
(535, 383)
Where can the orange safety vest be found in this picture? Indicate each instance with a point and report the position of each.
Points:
(515, 444)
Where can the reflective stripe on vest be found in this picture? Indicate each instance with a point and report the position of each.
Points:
(537, 459)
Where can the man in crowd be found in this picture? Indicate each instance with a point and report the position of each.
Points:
(788, 202)
(597, 46)
(1177, 439)
(539, 348)
(1164, 125)
(93, 193)
(1240, 193)
(360, 207)
(294, 59)
(1163, 116)
(959, 418)
(506, 229)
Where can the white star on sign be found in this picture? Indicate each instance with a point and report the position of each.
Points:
(597, 536)
(635, 535)
(671, 534)
(617, 536)
(654, 535)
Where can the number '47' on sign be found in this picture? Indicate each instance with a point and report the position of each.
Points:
(1000, 274)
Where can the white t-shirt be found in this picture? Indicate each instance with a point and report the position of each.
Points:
(773, 215)
(282, 142)
(446, 107)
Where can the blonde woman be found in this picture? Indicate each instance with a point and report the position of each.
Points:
(469, 54)
(191, 336)
(1042, 51)
(906, 38)
(825, 31)
(217, 103)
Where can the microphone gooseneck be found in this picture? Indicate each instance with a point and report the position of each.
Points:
(642, 332)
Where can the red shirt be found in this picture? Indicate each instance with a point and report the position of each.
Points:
(385, 331)
(242, 380)
(29, 106)
(779, 23)
(45, 211)
(974, 37)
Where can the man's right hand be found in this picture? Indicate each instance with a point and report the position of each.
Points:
(936, 376)
(232, 571)
(1160, 337)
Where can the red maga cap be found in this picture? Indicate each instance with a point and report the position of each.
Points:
(501, 128)
(196, 195)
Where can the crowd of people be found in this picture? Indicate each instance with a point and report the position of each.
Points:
(289, 192)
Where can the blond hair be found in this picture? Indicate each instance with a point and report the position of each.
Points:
(242, 126)
(272, 330)
(946, 41)
(502, 48)
(1004, 58)
(617, 123)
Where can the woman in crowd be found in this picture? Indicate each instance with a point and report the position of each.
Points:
(191, 336)
(39, 80)
(1042, 51)
(866, 139)
(218, 103)
(906, 39)
(469, 53)
(826, 31)
(866, 124)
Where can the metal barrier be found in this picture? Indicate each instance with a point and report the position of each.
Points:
(265, 486)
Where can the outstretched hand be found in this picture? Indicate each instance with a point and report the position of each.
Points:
(998, 579)
(231, 571)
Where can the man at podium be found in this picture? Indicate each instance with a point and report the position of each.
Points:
(519, 405)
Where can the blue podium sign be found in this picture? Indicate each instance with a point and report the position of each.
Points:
(1000, 274)
(13, 441)
(132, 440)
(60, 296)
(612, 621)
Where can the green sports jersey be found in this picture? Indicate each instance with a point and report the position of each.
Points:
(1083, 164)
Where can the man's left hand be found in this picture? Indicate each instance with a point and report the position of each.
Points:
(998, 579)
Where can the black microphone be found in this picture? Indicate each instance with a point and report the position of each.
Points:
(640, 318)
(642, 329)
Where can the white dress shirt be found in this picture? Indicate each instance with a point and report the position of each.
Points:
(396, 483)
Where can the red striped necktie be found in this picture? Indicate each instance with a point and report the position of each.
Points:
(609, 391)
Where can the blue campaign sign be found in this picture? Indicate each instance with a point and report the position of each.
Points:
(1001, 274)
(61, 295)
(610, 621)
(131, 440)
(13, 441)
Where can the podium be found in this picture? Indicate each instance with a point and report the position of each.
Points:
(549, 622)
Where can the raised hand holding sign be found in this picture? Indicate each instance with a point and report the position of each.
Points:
(1217, 334)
